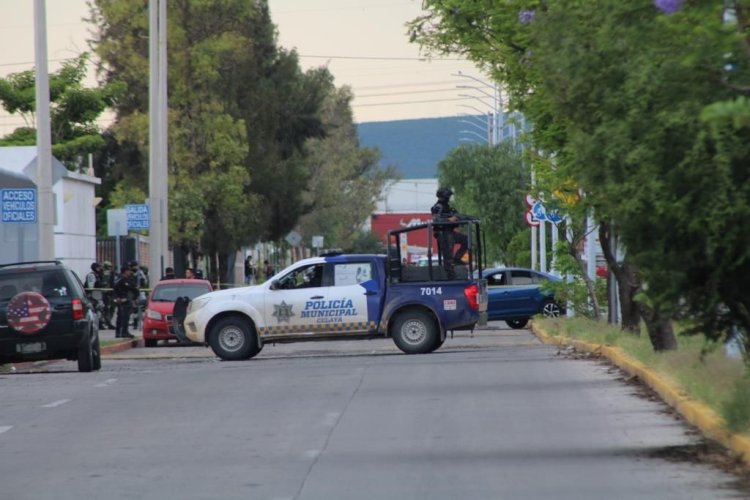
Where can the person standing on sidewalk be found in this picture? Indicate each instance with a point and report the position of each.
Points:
(93, 285)
(269, 270)
(125, 292)
(249, 271)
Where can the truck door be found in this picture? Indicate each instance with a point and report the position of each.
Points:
(286, 308)
(355, 297)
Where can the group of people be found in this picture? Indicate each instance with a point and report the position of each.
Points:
(113, 292)
(119, 295)
(251, 273)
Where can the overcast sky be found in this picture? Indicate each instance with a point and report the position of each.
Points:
(362, 42)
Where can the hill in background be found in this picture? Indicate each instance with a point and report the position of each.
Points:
(415, 147)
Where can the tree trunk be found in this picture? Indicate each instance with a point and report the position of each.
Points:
(628, 283)
(596, 311)
(659, 328)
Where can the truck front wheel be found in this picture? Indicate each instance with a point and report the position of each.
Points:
(415, 332)
(232, 339)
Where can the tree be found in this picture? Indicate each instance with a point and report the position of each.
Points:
(240, 111)
(345, 179)
(74, 110)
(616, 91)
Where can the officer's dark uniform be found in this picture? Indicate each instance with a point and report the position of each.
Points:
(447, 235)
(125, 293)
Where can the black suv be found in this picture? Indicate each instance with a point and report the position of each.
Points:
(45, 314)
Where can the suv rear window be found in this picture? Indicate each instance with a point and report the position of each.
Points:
(50, 283)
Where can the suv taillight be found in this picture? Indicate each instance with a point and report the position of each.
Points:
(472, 294)
(77, 309)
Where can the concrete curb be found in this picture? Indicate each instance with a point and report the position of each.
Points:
(710, 423)
(121, 346)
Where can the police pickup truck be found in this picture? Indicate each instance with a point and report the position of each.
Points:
(342, 296)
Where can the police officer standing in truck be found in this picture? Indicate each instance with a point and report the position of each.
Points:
(448, 235)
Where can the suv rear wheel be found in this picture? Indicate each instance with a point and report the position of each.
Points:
(97, 354)
(85, 354)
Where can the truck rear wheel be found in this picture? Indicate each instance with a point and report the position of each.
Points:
(415, 332)
(232, 339)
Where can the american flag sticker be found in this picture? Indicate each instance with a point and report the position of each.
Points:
(28, 312)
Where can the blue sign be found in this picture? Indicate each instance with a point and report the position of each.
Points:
(18, 206)
(540, 213)
(139, 217)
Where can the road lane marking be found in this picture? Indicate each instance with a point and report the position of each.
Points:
(331, 418)
(5, 428)
(56, 403)
(107, 382)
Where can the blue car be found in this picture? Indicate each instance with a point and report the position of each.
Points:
(515, 295)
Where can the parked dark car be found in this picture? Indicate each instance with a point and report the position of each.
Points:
(45, 314)
(516, 294)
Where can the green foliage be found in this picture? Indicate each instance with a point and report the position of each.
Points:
(365, 243)
(345, 179)
(255, 143)
(736, 409)
(490, 183)
(574, 291)
(647, 114)
(74, 110)
(518, 251)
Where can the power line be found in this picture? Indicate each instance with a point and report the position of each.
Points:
(385, 58)
(407, 102)
(32, 62)
(401, 85)
(404, 93)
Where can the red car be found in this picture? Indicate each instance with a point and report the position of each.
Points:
(161, 304)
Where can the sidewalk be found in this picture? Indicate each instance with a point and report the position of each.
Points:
(122, 344)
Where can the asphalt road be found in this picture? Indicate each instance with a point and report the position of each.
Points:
(493, 416)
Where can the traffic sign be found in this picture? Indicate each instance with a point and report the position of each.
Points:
(293, 238)
(139, 217)
(117, 222)
(18, 205)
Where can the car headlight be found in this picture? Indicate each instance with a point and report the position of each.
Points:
(197, 303)
(151, 314)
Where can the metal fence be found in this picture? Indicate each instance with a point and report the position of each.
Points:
(131, 248)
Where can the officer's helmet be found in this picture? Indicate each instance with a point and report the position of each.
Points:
(444, 194)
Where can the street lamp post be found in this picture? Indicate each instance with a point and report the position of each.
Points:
(473, 133)
(498, 125)
(483, 129)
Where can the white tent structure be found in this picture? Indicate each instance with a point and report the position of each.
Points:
(75, 212)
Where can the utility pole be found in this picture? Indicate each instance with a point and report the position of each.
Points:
(158, 158)
(46, 239)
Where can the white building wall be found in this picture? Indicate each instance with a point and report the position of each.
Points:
(75, 212)
(408, 196)
(75, 222)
